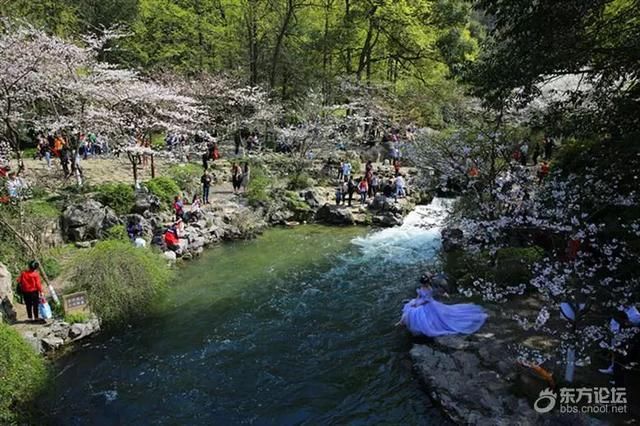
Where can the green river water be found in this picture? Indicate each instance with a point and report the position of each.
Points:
(295, 327)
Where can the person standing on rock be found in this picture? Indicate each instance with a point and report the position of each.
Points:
(31, 289)
(244, 183)
(401, 188)
(363, 190)
(351, 188)
(339, 197)
(375, 184)
(236, 177)
(206, 180)
(346, 170)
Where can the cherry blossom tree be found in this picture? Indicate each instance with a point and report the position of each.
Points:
(37, 73)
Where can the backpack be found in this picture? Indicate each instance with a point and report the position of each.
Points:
(18, 294)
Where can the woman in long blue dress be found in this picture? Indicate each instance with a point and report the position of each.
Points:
(426, 316)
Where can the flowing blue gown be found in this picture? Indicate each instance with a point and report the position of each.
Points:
(432, 318)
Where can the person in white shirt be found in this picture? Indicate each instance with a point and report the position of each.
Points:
(346, 170)
(401, 187)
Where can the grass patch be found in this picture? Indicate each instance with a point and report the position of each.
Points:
(76, 318)
(117, 232)
(23, 375)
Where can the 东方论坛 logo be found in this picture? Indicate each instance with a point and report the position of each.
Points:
(587, 400)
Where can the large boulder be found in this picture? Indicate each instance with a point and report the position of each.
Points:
(386, 204)
(312, 197)
(7, 309)
(335, 215)
(87, 220)
(387, 219)
(146, 202)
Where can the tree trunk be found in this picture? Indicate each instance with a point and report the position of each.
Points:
(347, 22)
(368, 45)
(31, 250)
(279, 40)
(328, 4)
(252, 33)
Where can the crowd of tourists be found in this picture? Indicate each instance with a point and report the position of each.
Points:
(371, 183)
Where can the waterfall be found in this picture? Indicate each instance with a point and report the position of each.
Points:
(417, 239)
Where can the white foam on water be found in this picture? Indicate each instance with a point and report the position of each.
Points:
(417, 239)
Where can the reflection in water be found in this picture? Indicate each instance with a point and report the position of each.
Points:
(294, 327)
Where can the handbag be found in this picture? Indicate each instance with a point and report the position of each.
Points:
(44, 309)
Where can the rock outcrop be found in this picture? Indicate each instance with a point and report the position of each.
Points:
(87, 220)
(53, 336)
(335, 215)
(7, 309)
(146, 202)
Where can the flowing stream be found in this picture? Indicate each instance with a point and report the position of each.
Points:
(295, 327)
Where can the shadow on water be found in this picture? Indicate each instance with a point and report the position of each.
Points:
(295, 327)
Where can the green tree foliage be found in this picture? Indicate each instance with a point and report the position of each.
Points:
(23, 375)
(123, 282)
(598, 41)
(287, 46)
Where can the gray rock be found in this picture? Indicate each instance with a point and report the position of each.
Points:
(467, 391)
(77, 331)
(335, 215)
(313, 198)
(34, 342)
(51, 343)
(83, 244)
(387, 220)
(170, 256)
(146, 202)
(196, 242)
(87, 220)
(7, 308)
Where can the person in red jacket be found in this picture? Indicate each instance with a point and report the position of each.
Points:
(171, 238)
(31, 289)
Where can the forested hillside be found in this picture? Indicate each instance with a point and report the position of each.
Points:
(415, 48)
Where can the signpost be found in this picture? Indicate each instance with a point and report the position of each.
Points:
(76, 302)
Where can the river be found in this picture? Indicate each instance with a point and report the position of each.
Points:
(294, 327)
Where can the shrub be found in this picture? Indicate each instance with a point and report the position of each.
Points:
(164, 188)
(117, 232)
(513, 265)
(187, 176)
(122, 282)
(258, 184)
(299, 181)
(119, 196)
(23, 375)
(52, 267)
